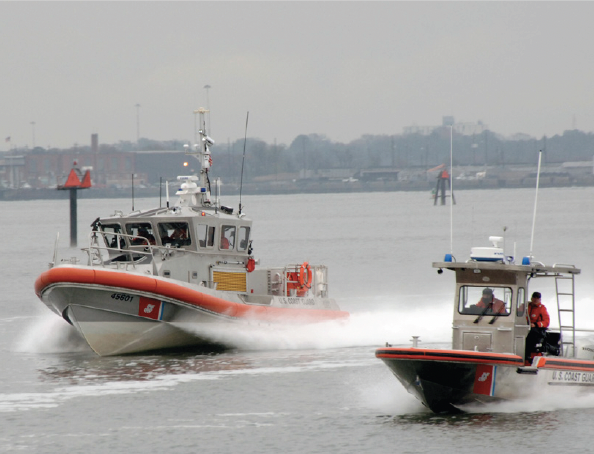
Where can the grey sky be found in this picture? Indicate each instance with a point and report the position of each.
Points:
(341, 69)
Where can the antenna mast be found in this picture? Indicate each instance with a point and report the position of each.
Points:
(451, 190)
(535, 203)
(243, 160)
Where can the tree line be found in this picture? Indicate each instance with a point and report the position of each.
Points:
(316, 152)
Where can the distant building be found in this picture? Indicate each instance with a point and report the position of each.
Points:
(109, 169)
(466, 129)
(12, 171)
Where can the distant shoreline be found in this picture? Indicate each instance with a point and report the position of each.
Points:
(308, 187)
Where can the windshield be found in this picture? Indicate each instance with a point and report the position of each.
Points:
(206, 235)
(244, 235)
(485, 300)
(227, 237)
(142, 232)
(110, 236)
(175, 234)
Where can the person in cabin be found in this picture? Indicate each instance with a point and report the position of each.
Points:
(144, 233)
(179, 233)
(491, 304)
(224, 240)
(538, 318)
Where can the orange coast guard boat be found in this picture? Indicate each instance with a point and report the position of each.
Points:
(492, 357)
(165, 278)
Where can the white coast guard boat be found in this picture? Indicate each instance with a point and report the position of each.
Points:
(164, 278)
(488, 360)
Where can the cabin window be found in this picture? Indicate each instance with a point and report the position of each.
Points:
(521, 303)
(206, 235)
(142, 232)
(110, 232)
(227, 237)
(176, 234)
(485, 300)
(243, 238)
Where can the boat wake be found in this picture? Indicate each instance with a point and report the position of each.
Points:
(361, 329)
(562, 399)
(50, 334)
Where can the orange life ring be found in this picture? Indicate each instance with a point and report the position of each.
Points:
(251, 265)
(305, 269)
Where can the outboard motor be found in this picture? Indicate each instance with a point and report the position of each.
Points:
(543, 341)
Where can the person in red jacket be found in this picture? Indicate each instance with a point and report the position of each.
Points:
(537, 312)
(539, 320)
(490, 304)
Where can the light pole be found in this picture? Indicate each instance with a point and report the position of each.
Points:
(137, 123)
(207, 87)
(33, 133)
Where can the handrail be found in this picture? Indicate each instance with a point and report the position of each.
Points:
(95, 246)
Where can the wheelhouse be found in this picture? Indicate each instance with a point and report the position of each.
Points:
(501, 326)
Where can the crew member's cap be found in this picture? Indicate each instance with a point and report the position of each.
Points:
(487, 291)
(536, 295)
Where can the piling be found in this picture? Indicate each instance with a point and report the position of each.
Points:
(440, 191)
(75, 181)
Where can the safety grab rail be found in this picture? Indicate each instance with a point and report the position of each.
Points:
(319, 287)
(94, 249)
(144, 249)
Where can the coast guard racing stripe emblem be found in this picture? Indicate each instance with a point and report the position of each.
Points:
(150, 308)
(484, 380)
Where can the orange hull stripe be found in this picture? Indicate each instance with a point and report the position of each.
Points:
(447, 355)
(177, 292)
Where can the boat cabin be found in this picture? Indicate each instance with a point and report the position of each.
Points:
(491, 301)
(209, 234)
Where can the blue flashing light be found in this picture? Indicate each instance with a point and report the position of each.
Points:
(525, 260)
(202, 189)
(448, 258)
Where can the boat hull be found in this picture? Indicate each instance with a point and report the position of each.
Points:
(121, 312)
(445, 379)
(112, 333)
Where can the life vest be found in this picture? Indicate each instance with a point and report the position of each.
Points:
(497, 306)
(539, 315)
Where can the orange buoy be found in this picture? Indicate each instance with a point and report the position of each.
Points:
(305, 276)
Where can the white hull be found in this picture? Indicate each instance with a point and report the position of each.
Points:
(123, 320)
(109, 333)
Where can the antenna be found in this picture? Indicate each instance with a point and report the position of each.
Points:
(504, 230)
(243, 159)
(535, 202)
(451, 191)
(132, 192)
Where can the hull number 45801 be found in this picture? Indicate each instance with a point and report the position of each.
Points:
(122, 297)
